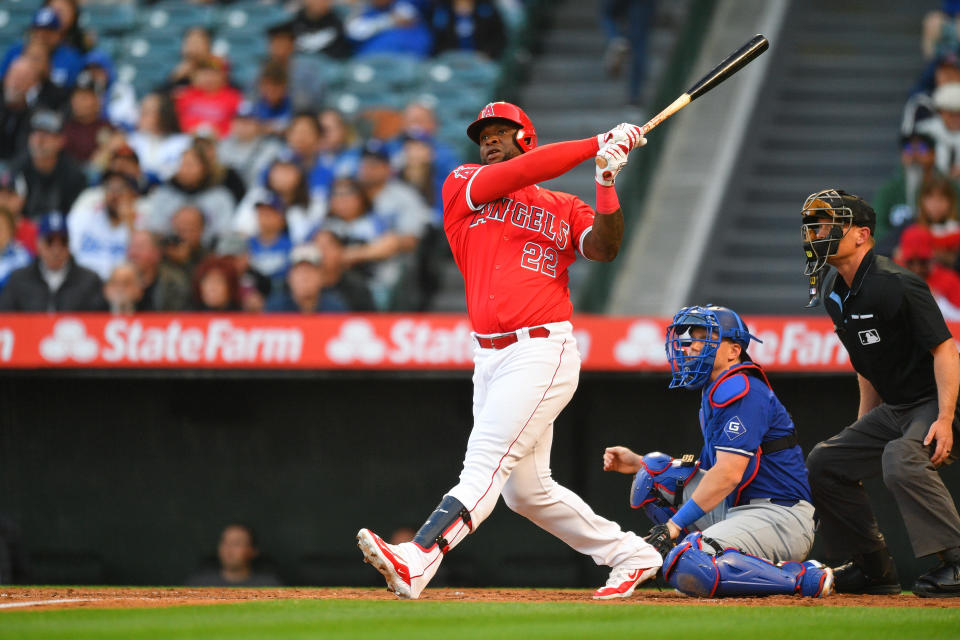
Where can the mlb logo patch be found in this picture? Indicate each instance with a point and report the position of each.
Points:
(870, 336)
(734, 428)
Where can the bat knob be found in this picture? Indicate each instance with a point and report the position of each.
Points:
(607, 174)
(601, 162)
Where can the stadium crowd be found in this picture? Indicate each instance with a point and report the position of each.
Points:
(918, 208)
(234, 156)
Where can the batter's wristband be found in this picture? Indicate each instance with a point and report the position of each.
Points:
(607, 201)
(689, 513)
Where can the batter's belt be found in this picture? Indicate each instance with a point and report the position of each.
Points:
(503, 340)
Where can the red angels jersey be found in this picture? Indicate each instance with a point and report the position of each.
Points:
(514, 252)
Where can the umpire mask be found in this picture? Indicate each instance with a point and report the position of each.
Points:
(826, 219)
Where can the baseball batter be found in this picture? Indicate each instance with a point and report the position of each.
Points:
(513, 241)
(745, 504)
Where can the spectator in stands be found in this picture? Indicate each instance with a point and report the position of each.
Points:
(369, 244)
(468, 25)
(123, 290)
(209, 102)
(65, 61)
(184, 248)
(216, 286)
(388, 26)
(12, 200)
(281, 44)
(69, 13)
(54, 282)
(52, 96)
(236, 552)
(248, 150)
(100, 228)
(157, 141)
(273, 107)
(419, 129)
(53, 180)
(304, 139)
(221, 174)
(895, 202)
(626, 24)
(945, 128)
(940, 29)
(86, 128)
(195, 50)
(165, 288)
(392, 200)
(317, 29)
(254, 287)
(286, 179)
(13, 255)
(270, 248)
(119, 101)
(937, 212)
(916, 253)
(22, 94)
(309, 285)
(339, 151)
(192, 184)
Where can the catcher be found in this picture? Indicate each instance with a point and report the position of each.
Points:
(742, 513)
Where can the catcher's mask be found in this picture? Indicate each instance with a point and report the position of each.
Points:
(828, 216)
(692, 370)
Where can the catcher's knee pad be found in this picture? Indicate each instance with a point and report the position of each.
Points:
(658, 486)
(446, 526)
(690, 570)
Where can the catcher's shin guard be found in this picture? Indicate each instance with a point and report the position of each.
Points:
(446, 527)
(731, 573)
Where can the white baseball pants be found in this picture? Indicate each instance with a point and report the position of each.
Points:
(518, 393)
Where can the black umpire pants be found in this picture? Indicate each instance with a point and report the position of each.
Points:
(887, 440)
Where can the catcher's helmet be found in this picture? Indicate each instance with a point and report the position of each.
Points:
(828, 216)
(693, 370)
(526, 137)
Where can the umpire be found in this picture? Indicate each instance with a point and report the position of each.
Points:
(908, 371)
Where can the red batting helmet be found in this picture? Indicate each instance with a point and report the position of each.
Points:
(526, 136)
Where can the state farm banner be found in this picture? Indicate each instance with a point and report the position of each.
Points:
(381, 341)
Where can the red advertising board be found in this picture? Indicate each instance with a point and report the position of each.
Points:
(382, 341)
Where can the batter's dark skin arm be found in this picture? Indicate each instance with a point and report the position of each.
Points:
(603, 242)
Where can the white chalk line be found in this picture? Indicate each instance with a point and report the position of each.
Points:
(36, 603)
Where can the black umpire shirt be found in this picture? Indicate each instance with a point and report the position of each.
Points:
(888, 321)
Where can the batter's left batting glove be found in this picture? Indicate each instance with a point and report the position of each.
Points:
(659, 538)
(614, 159)
(625, 134)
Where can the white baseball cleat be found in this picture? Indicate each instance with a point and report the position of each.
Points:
(623, 580)
(388, 560)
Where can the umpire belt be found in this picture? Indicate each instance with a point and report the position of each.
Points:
(503, 340)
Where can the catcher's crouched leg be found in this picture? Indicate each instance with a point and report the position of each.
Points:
(690, 570)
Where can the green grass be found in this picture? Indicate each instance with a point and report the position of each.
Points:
(288, 619)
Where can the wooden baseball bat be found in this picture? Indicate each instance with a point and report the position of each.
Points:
(731, 64)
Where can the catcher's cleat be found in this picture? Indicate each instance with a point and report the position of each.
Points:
(623, 580)
(387, 559)
(814, 580)
(850, 578)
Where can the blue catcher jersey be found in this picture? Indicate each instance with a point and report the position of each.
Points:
(738, 413)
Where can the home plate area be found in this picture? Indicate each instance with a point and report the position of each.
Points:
(40, 598)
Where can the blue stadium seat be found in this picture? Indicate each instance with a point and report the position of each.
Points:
(14, 21)
(312, 77)
(350, 103)
(376, 72)
(144, 77)
(181, 15)
(250, 18)
(460, 68)
(115, 19)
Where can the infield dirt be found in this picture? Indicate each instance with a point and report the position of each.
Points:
(30, 598)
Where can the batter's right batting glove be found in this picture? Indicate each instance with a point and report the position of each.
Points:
(625, 134)
(614, 159)
(659, 538)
